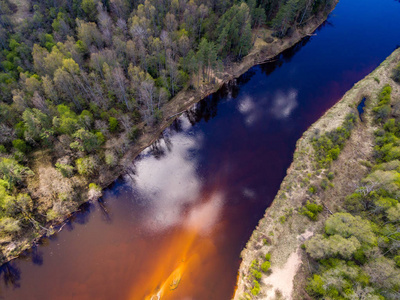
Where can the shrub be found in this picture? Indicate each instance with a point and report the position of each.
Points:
(256, 288)
(265, 266)
(382, 110)
(324, 184)
(20, 145)
(113, 124)
(52, 214)
(254, 264)
(87, 141)
(13, 172)
(268, 256)
(312, 189)
(105, 116)
(311, 210)
(334, 153)
(254, 269)
(66, 170)
(86, 166)
(328, 146)
(9, 225)
(316, 286)
(256, 274)
(390, 126)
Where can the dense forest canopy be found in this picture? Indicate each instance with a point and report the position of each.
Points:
(78, 76)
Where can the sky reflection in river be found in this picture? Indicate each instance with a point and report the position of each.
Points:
(175, 202)
(168, 183)
(279, 106)
(284, 103)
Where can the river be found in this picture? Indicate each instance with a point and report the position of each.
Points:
(175, 225)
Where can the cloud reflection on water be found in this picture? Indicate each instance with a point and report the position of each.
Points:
(284, 103)
(170, 187)
(251, 110)
(280, 107)
(204, 216)
(169, 183)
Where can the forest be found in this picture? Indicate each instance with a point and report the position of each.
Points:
(80, 80)
(356, 256)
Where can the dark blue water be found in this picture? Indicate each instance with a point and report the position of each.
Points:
(196, 195)
(360, 108)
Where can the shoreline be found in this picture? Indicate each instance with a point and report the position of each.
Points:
(284, 239)
(183, 101)
(178, 105)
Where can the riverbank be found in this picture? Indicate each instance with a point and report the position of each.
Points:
(262, 52)
(284, 229)
(43, 164)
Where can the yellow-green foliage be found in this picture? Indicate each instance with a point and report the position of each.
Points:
(265, 266)
(14, 208)
(86, 165)
(256, 288)
(328, 146)
(382, 111)
(12, 172)
(311, 210)
(65, 169)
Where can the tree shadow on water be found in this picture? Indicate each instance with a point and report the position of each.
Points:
(36, 256)
(105, 210)
(80, 217)
(10, 274)
(83, 215)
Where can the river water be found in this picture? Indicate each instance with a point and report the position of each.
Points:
(176, 224)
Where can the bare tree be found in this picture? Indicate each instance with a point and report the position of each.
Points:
(125, 121)
(7, 134)
(105, 23)
(120, 86)
(39, 103)
(147, 97)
